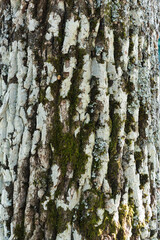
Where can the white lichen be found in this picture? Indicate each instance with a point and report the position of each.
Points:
(32, 24)
(54, 20)
(70, 34)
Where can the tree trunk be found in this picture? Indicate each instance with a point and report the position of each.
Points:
(79, 120)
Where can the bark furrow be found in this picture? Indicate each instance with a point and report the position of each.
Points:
(79, 120)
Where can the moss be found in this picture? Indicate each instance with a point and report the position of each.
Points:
(136, 230)
(131, 46)
(113, 105)
(130, 191)
(57, 58)
(139, 159)
(130, 99)
(108, 12)
(132, 60)
(123, 30)
(63, 218)
(124, 34)
(80, 52)
(100, 35)
(143, 116)
(128, 142)
(123, 212)
(152, 82)
(130, 123)
(151, 164)
(114, 165)
(93, 23)
(57, 218)
(73, 94)
(87, 213)
(68, 149)
(42, 96)
(19, 231)
(116, 125)
(88, 218)
(130, 198)
(56, 61)
(135, 223)
(59, 39)
(111, 223)
(120, 33)
(110, 123)
(89, 229)
(143, 180)
(70, 3)
(125, 218)
(121, 234)
(50, 60)
(143, 120)
(108, 225)
(131, 43)
(130, 87)
(51, 215)
(76, 79)
(147, 217)
(117, 48)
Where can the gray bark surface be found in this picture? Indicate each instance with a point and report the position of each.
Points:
(79, 120)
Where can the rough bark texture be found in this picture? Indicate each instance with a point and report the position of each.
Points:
(79, 119)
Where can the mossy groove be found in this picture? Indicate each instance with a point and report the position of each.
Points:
(19, 231)
(88, 218)
(114, 165)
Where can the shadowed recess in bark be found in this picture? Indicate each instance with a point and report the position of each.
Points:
(79, 120)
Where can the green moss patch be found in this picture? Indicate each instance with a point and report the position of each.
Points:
(139, 159)
(130, 123)
(19, 231)
(143, 179)
(87, 214)
(114, 165)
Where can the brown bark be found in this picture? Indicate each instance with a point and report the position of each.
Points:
(79, 119)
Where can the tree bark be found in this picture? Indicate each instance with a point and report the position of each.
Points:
(79, 119)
